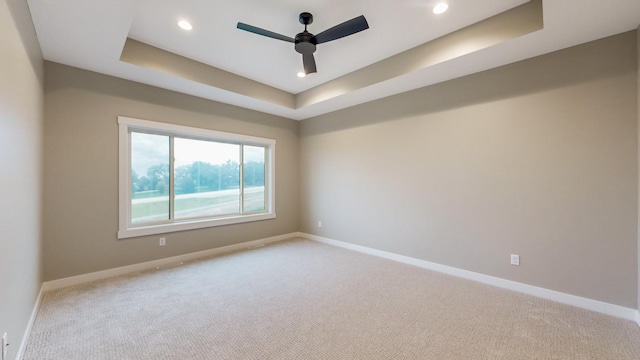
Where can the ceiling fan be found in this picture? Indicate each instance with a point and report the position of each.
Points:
(305, 42)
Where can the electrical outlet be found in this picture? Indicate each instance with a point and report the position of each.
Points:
(163, 241)
(319, 223)
(5, 346)
(515, 259)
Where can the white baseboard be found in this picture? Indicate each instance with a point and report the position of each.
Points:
(581, 302)
(27, 331)
(104, 274)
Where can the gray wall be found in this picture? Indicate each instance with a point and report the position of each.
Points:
(638, 93)
(21, 101)
(81, 170)
(537, 158)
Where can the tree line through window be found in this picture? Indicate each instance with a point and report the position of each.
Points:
(177, 178)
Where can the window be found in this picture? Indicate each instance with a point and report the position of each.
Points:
(175, 178)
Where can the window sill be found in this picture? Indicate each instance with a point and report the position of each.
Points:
(191, 225)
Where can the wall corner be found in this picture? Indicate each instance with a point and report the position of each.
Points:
(638, 129)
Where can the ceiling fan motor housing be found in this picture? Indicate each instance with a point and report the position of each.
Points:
(305, 43)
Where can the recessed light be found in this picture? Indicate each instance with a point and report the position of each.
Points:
(185, 25)
(301, 74)
(440, 8)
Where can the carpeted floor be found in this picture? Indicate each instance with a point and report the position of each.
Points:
(305, 300)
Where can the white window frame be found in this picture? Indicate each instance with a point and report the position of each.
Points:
(127, 230)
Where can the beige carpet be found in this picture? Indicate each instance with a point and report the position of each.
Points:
(304, 300)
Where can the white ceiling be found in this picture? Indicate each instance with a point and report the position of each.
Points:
(90, 34)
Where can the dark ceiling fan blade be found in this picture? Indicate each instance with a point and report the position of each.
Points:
(263, 32)
(341, 30)
(309, 63)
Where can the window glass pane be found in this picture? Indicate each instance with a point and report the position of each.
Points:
(207, 178)
(254, 178)
(149, 178)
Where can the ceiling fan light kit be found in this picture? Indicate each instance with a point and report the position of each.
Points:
(305, 42)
